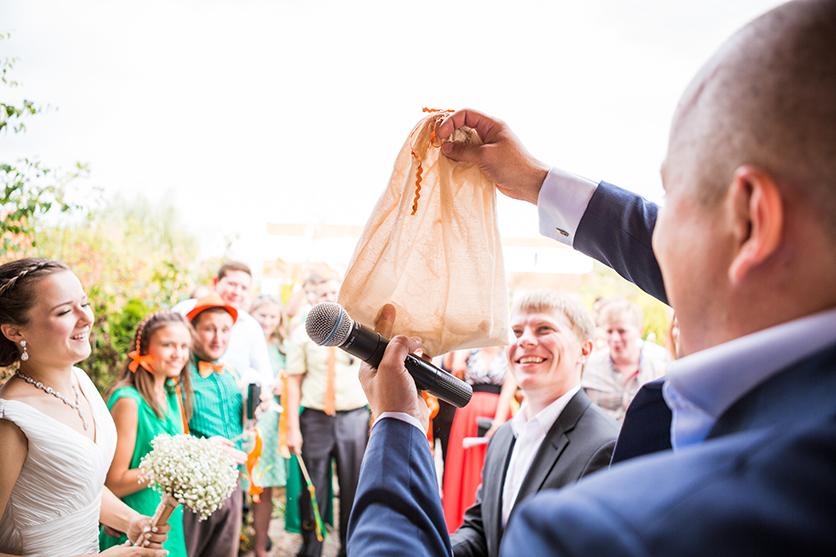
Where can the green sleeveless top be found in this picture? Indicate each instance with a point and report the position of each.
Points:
(145, 501)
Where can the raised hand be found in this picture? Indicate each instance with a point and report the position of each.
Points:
(390, 388)
(502, 157)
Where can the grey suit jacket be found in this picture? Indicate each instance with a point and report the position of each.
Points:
(580, 442)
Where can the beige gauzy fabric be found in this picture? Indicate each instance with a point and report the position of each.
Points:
(442, 267)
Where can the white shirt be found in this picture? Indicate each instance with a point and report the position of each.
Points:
(247, 350)
(530, 433)
(562, 203)
(700, 387)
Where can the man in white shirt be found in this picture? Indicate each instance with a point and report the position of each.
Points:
(557, 437)
(746, 244)
(247, 350)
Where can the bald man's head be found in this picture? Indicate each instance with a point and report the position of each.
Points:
(768, 99)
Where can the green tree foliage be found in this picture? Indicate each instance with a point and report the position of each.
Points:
(133, 258)
(30, 189)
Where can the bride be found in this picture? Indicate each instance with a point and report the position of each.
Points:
(57, 436)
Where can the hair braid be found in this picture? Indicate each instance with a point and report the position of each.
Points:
(26, 270)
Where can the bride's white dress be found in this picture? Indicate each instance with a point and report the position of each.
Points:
(54, 507)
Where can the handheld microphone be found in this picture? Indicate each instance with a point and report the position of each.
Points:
(328, 324)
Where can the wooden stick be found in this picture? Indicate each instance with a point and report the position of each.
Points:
(163, 512)
(312, 490)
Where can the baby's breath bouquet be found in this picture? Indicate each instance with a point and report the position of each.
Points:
(188, 471)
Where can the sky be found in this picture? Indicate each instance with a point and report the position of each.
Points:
(241, 113)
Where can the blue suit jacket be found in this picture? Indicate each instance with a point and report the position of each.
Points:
(763, 483)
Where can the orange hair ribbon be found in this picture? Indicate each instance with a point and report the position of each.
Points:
(137, 360)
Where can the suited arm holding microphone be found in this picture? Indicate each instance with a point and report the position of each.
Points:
(397, 507)
(747, 247)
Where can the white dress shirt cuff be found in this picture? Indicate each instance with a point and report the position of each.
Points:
(562, 202)
(402, 416)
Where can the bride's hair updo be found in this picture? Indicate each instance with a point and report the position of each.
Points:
(18, 280)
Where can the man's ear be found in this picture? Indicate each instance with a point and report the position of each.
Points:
(758, 219)
(586, 350)
(214, 282)
(11, 332)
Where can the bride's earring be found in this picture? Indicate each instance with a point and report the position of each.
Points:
(25, 355)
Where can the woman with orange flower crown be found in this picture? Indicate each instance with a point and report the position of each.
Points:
(152, 396)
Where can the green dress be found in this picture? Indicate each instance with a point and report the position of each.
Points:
(145, 501)
(271, 470)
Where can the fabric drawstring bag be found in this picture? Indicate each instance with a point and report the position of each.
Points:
(432, 249)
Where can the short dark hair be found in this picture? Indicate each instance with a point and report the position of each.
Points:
(233, 266)
(17, 282)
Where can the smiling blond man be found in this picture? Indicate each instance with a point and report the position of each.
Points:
(557, 437)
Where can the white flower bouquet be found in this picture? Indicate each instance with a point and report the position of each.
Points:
(188, 471)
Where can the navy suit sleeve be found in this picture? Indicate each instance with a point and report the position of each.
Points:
(534, 529)
(397, 510)
(617, 229)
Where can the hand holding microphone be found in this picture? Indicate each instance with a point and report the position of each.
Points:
(328, 324)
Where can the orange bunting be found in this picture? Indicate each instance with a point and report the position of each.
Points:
(137, 360)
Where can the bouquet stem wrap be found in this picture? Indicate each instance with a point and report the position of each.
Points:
(164, 510)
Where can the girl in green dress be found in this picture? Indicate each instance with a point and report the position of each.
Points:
(269, 312)
(152, 396)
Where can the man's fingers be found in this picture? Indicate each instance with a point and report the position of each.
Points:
(461, 152)
(466, 117)
(397, 351)
(385, 320)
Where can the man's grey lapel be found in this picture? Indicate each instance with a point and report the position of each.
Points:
(492, 505)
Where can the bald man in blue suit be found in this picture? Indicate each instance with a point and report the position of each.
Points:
(745, 252)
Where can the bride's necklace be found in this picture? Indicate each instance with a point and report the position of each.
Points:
(74, 405)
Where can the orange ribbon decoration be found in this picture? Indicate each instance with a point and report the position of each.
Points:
(283, 450)
(205, 369)
(144, 361)
(432, 404)
(439, 116)
(182, 408)
(252, 460)
(330, 405)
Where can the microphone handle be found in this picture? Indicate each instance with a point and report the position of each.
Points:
(369, 345)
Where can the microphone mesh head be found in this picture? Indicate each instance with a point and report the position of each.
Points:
(328, 324)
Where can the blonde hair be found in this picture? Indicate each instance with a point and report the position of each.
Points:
(280, 333)
(621, 310)
(551, 301)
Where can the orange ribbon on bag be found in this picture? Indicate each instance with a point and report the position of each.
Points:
(439, 117)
